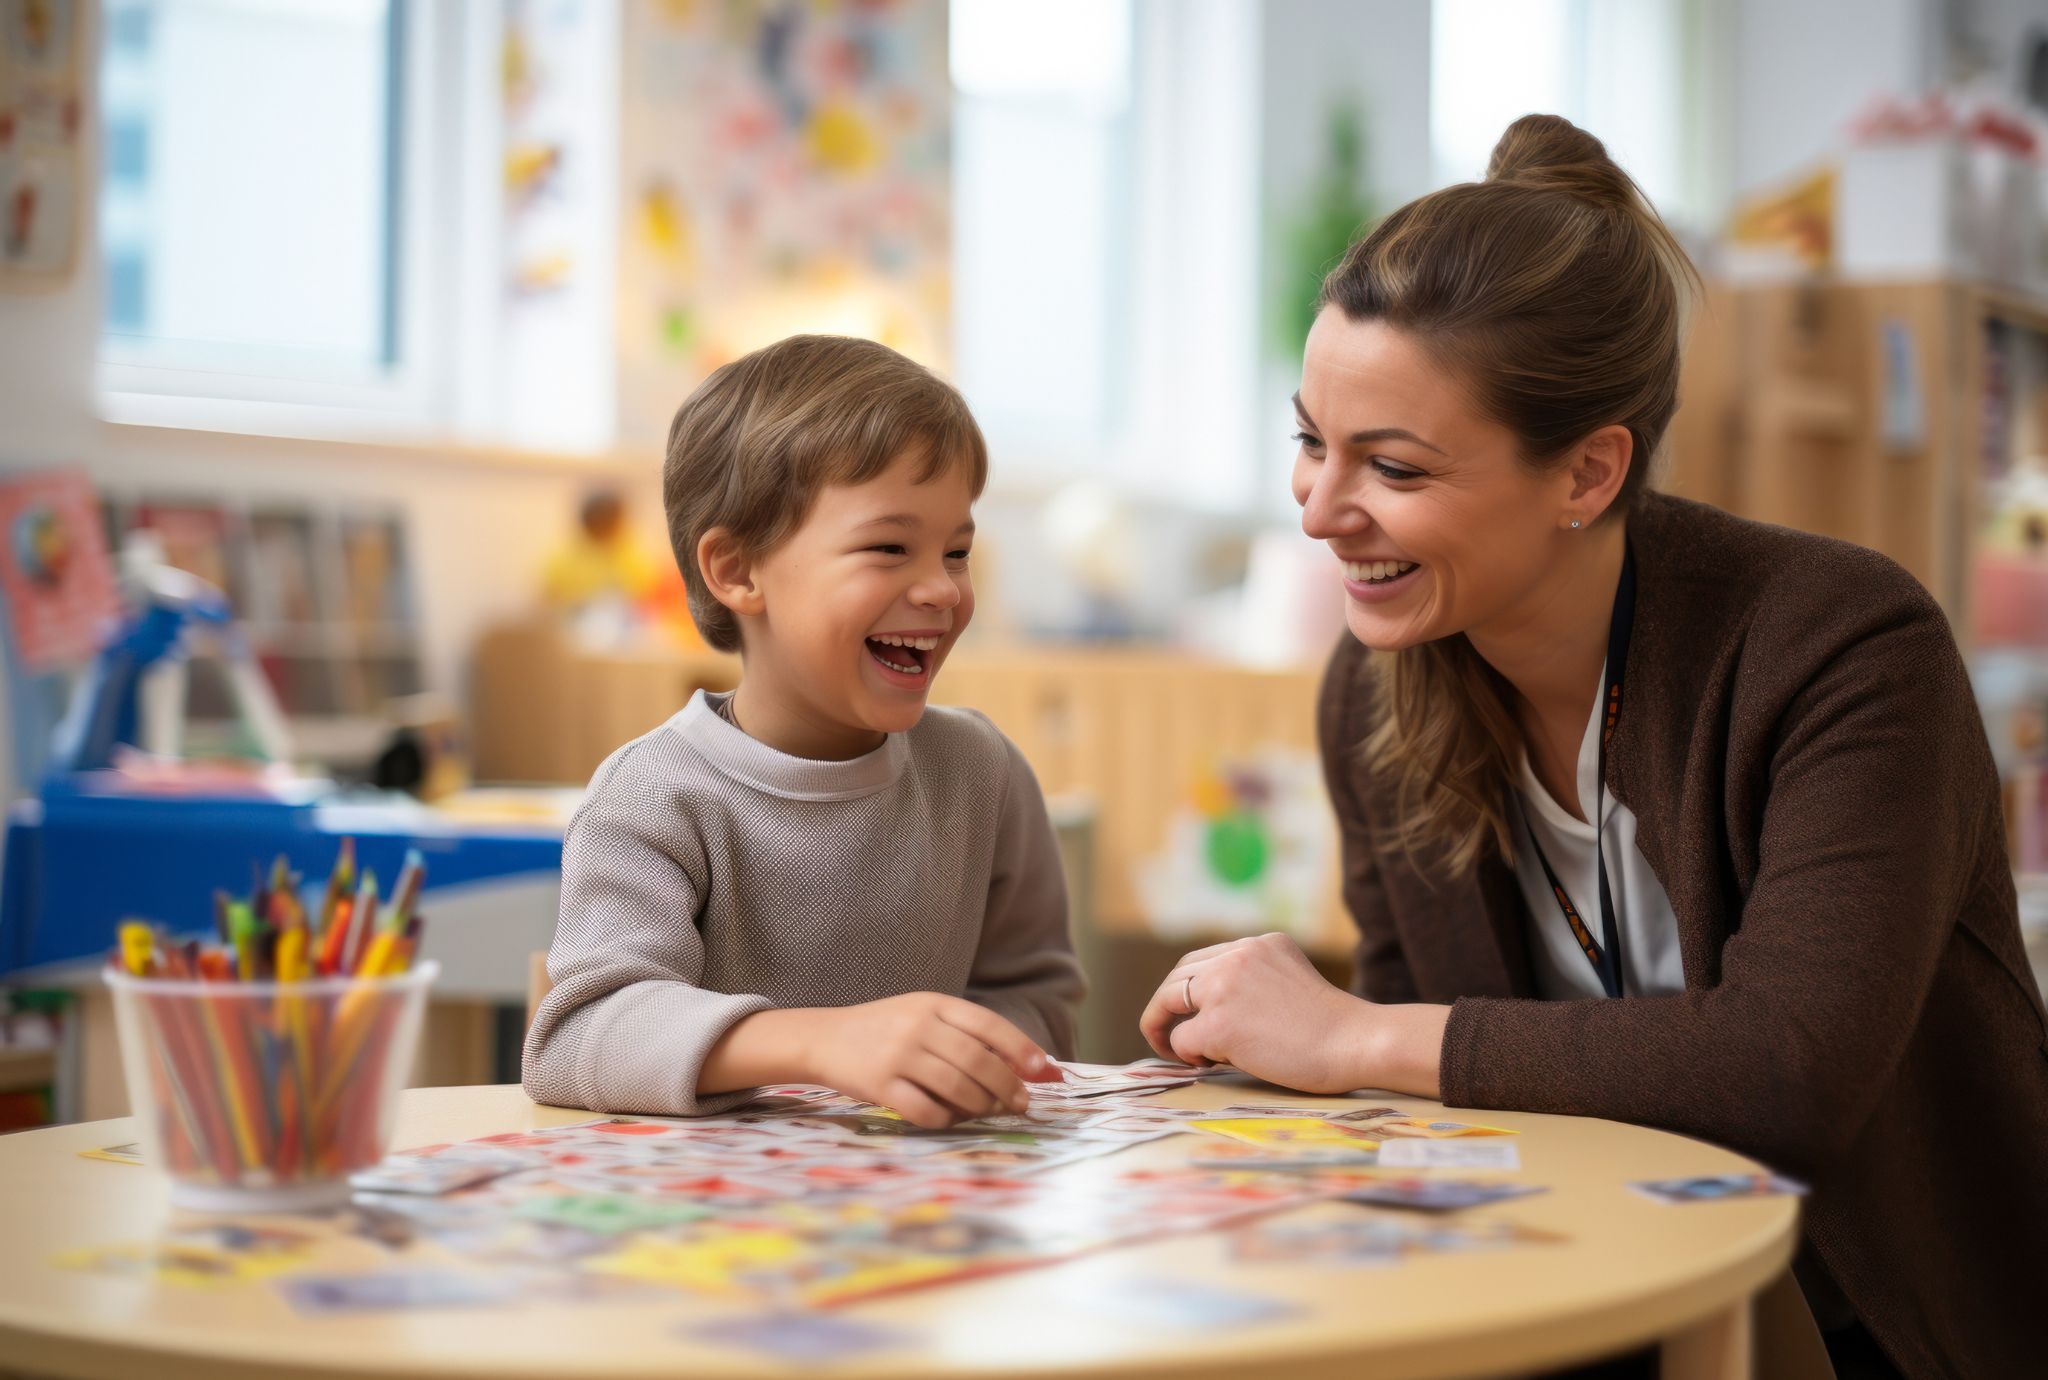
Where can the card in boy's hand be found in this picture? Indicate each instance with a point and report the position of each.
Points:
(1715, 1188)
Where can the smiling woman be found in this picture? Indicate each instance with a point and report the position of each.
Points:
(1703, 904)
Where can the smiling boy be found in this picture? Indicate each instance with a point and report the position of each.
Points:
(815, 878)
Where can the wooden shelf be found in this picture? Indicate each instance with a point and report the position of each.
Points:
(2007, 304)
(26, 1068)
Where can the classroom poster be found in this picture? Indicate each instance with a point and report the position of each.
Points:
(40, 115)
(786, 170)
(54, 571)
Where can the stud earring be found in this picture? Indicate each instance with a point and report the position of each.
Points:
(1575, 524)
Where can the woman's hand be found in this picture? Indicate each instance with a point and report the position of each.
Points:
(1259, 1005)
(936, 1059)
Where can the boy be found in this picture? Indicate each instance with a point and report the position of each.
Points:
(814, 879)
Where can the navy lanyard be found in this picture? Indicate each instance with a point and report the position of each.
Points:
(1605, 956)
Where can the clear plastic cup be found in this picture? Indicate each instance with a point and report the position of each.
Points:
(266, 1096)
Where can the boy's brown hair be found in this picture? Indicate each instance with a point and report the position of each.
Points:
(749, 450)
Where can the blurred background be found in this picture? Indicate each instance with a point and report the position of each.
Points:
(371, 315)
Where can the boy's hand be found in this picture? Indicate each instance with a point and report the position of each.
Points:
(937, 1060)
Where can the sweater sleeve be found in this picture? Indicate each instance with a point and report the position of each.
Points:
(1880, 791)
(626, 1027)
(1380, 969)
(1024, 969)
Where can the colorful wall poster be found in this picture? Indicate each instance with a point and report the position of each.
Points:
(786, 169)
(54, 571)
(40, 115)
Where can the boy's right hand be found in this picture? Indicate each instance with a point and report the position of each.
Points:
(937, 1060)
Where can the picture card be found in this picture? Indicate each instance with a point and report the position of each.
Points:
(1450, 1154)
(1718, 1188)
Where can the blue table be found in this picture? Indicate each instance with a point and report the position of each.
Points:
(81, 860)
(90, 854)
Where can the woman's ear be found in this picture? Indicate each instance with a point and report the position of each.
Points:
(1599, 470)
(728, 572)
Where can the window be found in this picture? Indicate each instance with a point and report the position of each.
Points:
(1042, 131)
(1612, 66)
(264, 211)
(1106, 240)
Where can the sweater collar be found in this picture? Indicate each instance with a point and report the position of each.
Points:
(753, 763)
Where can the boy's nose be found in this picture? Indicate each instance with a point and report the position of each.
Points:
(939, 593)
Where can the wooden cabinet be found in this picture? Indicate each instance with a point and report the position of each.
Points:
(1129, 729)
(1858, 410)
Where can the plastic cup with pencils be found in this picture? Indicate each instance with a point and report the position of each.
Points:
(266, 1070)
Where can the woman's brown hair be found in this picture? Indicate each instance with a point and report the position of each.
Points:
(1554, 292)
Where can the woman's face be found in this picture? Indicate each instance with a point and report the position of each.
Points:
(1440, 526)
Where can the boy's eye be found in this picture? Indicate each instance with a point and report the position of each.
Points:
(888, 550)
(959, 556)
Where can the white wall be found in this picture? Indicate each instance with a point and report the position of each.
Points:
(1804, 68)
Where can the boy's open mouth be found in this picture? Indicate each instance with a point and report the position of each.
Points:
(905, 656)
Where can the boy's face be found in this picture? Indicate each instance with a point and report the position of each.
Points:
(860, 606)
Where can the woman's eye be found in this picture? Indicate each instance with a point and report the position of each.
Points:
(1392, 471)
(1307, 440)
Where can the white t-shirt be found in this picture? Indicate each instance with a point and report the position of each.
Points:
(1651, 966)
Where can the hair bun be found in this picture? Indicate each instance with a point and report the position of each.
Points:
(1550, 151)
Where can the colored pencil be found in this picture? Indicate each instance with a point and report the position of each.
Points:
(274, 1084)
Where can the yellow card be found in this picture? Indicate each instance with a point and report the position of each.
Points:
(711, 1265)
(1281, 1130)
(176, 1263)
(881, 1273)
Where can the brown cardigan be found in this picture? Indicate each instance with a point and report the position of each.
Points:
(1808, 769)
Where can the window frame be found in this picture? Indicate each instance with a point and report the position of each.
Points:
(248, 389)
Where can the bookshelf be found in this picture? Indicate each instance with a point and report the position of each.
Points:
(324, 594)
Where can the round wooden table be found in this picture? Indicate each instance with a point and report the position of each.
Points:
(1631, 1272)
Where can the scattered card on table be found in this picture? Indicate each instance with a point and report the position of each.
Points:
(800, 1337)
(393, 1290)
(1340, 1112)
(1180, 1303)
(1715, 1188)
(1415, 1126)
(428, 1174)
(1285, 1131)
(1436, 1195)
(1450, 1154)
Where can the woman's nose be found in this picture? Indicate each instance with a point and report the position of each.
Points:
(1328, 509)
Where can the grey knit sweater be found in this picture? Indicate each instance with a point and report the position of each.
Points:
(708, 876)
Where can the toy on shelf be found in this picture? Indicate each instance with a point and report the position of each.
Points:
(605, 583)
(1246, 853)
(134, 694)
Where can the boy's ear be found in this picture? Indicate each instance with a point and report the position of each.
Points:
(728, 572)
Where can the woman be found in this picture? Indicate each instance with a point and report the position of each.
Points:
(1792, 929)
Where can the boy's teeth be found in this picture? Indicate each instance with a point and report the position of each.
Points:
(923, 644)
(1376, 570)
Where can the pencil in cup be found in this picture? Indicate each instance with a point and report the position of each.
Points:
(267, 1094)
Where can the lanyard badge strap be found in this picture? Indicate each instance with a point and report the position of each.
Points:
(1605, 955)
